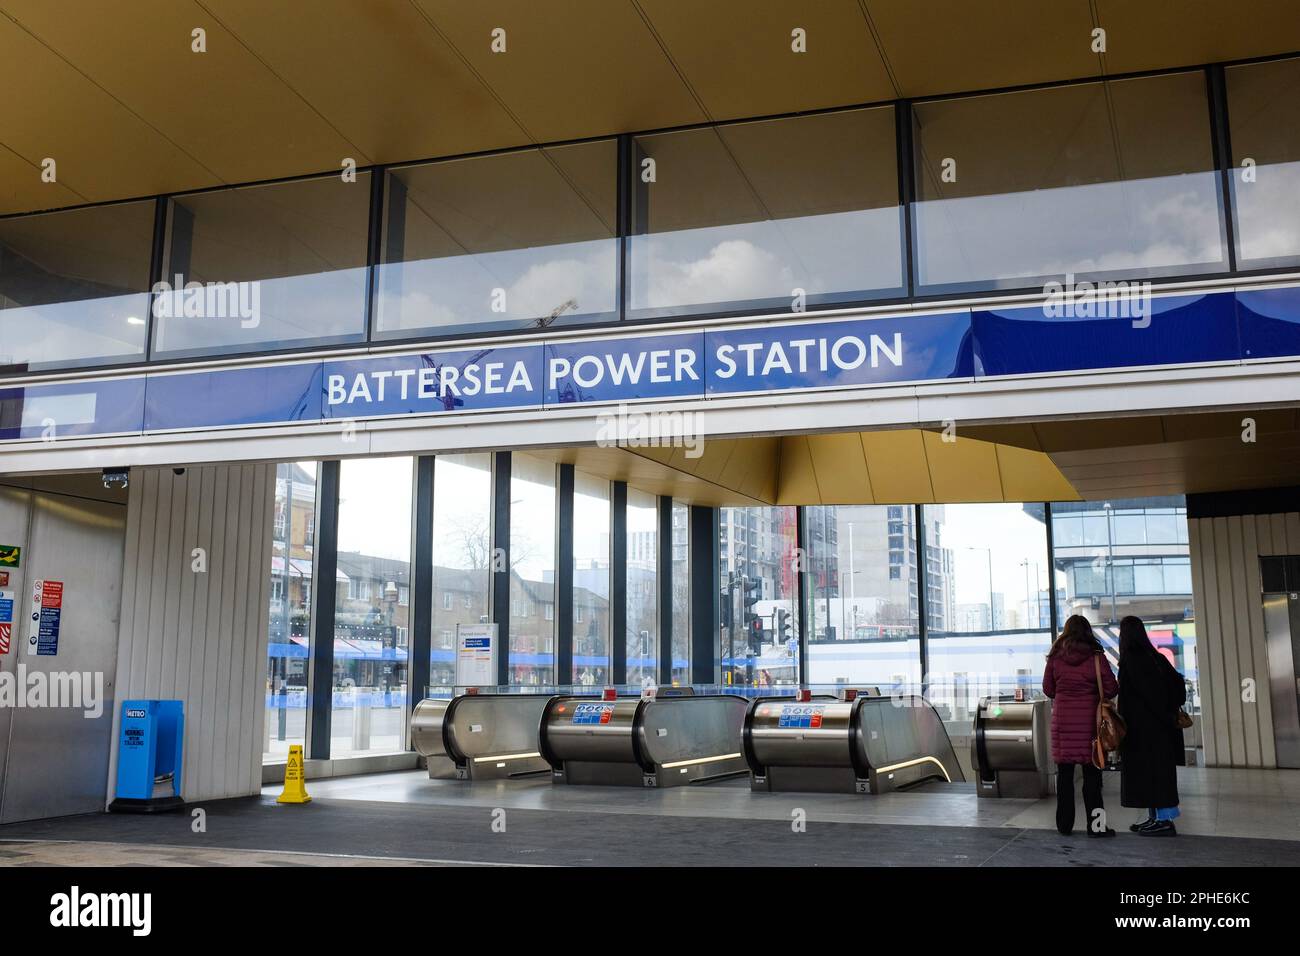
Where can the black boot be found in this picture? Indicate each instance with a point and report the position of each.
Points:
(1160, 828)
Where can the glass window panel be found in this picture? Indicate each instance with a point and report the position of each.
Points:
(760, 585)
(681, 669)
(740, 216)
(74, 286)
(996, 596)
(591, 516)
(1130, 529)
(289, 616)
(1162, 528)
(371, 625)
(1096, 529)
(1067, 530)
(524, 239)
(532, 570)
(462, 555)
(283, 265)
(1264, 124)
(642, 588)
(1152, 581)
(1110, 179)
(864, 610)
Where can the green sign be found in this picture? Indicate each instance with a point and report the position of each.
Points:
(10, 555)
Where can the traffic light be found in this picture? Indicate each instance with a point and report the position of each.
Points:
(784, 633)
(753, 623)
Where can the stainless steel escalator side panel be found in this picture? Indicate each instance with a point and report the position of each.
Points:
(1011, 747)
(684, 739)
(630, 741)
(903, 742)
(480, 736)
(802, 745)
(428, 721)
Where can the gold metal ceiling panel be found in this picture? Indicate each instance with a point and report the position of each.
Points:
(582, 68)
(949, 46)
(378, 72)
(738, 56)
(1153, 34)
(222, 115)
(102, 150)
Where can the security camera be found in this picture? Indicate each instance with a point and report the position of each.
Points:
(115, 477)
(178, 472)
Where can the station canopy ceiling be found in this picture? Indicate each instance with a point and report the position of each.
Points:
(1064, 460)
(115, 95)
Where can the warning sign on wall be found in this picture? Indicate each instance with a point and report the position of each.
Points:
(6, 620)
(47, 612)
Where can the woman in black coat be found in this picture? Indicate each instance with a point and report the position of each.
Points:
(1150, 695)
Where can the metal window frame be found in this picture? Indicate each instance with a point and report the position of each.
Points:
(500, 589)
(664, 587)
(320, 694)
(618, 632)
(564, 575)
(420, 642)
(706, 649)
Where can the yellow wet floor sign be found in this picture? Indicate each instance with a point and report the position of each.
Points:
(295, 784)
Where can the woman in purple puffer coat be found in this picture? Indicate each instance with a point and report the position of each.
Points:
(1070, 679)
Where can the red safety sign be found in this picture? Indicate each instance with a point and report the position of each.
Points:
(6, 631)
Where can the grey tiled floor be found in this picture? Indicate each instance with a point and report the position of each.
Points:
(1262, 804)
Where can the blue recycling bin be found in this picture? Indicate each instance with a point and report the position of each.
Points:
(149, 756)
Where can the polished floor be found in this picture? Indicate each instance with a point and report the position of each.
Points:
(1256, 804)
(1230, 817)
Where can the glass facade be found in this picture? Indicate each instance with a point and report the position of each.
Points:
(1264, 123)
(533, 498)
(74, 287)
(864, 601)
(591, 527)
(976, 585)
(293, 550)
(1129, 556)
(372, 607)
(462, 555)
(766, 215)
(1102, 180)
(759, 574)
(1113, 179)
(642, 638)
(991, 628)
(510, 241)
(279, 266)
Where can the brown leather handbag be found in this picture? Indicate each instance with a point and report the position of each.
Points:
(1110, 725)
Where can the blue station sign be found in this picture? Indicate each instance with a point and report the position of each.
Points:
(795, 354)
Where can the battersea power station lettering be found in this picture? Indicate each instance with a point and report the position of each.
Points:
(604, 371)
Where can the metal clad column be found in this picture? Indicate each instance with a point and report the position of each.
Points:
(421, 641)
(321, 689)
(804, 621)
(618, 584)
(923, 602)
(501, 561)
(704, 595)
(564, 580)
(664, 582)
